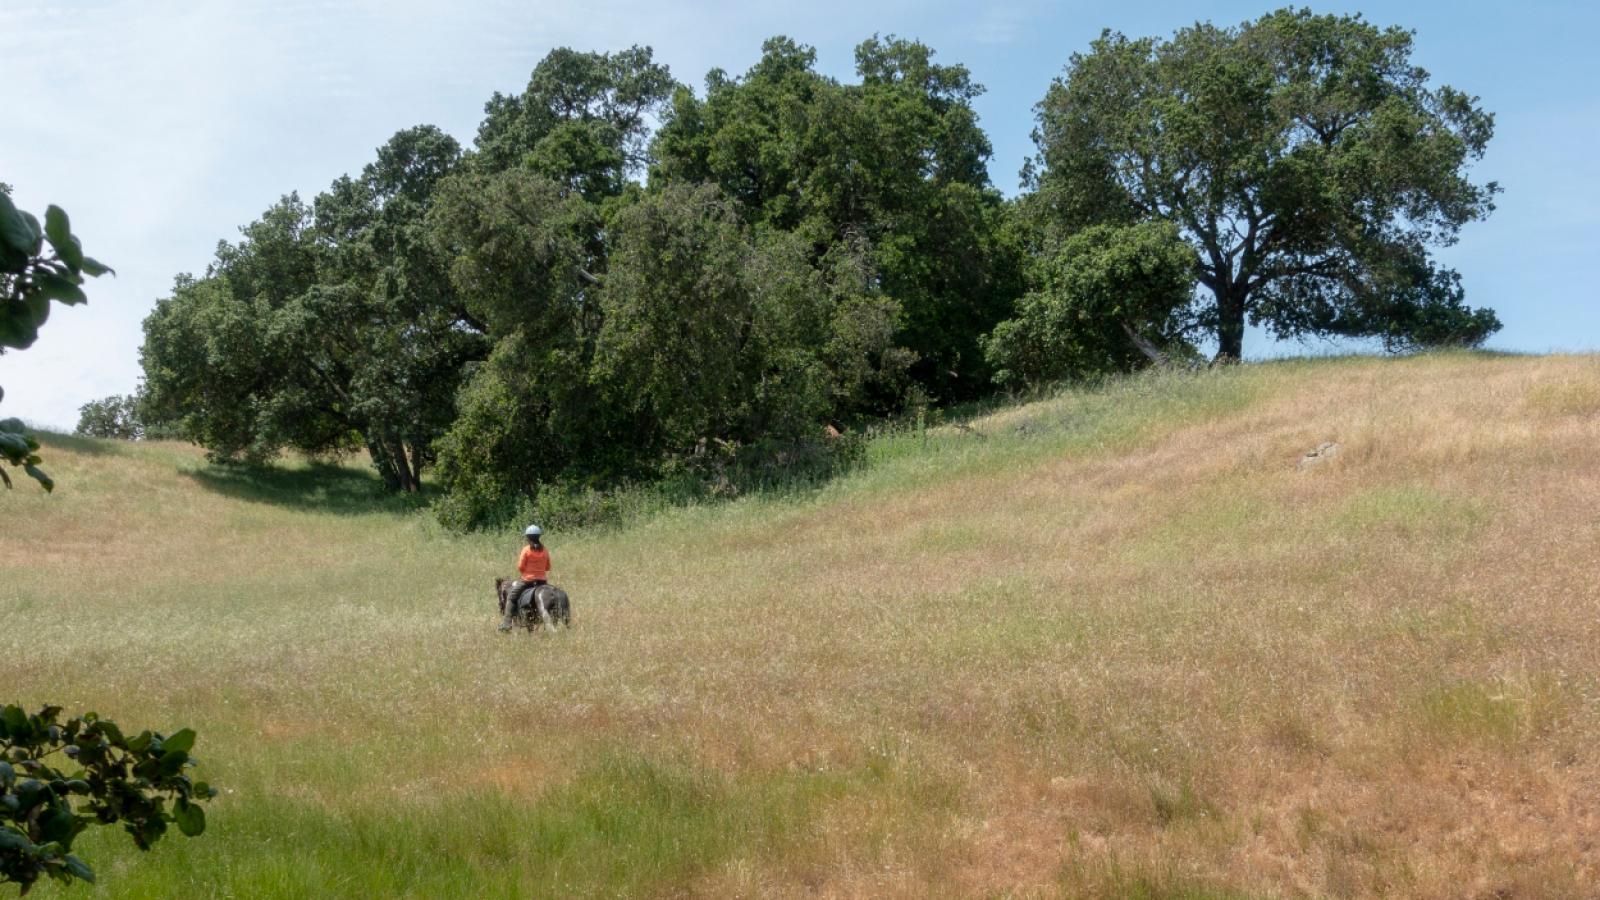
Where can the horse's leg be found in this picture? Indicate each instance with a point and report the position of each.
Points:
(525, 609)
(544, 610)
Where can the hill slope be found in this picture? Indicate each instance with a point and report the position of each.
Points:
(1114, 643)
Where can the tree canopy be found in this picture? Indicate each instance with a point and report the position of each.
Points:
(115, 417)
(327, 327)
(622, 279)
(894, 164)
(1308, 160)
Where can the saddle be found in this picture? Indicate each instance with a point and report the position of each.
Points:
(524, 598)
(554, 597)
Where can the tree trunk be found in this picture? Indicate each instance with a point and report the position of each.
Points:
(402, 469)
(1230, 326)
(416, 466)
(384, 465)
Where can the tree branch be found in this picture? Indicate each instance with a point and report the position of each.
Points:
(1148, 349)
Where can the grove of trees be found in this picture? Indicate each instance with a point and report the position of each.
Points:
(624, 277)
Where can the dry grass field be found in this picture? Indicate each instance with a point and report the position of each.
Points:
(1112, 644)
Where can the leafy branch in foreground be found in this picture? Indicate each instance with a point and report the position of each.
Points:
(29, 280)
(139, 781)
(18, 448)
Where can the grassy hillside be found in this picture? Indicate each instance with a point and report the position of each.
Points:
(1117, 643)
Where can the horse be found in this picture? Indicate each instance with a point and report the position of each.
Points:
(543, 604)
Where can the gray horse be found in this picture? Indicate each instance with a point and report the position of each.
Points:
(545, 604)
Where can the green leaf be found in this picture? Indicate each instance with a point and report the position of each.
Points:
(79, 868)
(95, 268)
(15, 721)
(57, 228)
(60, 289)
(14, 230)
(182, 740)
(172, 762)
(57, 824)
(36, 231)
(38, 307)
(59, 232)
(190, 817)
(30, 791)
(17, 331)
(37, 474)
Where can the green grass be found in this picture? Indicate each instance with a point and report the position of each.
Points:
(1110, 642)
(619, 826)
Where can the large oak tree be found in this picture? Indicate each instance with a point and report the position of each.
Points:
(1308, 160)
(327, 327)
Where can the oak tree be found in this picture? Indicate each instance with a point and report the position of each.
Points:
(1309, 161)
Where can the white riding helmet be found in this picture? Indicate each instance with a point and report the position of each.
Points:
(534, 531)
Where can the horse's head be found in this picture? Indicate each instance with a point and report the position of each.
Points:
(500, 588)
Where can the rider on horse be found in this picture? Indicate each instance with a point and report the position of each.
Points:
(534, 567)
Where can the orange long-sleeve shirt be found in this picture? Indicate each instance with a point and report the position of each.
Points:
(534, 565)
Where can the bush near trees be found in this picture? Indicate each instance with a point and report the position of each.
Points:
(1105, 292)
(106, 778)
(624, 280)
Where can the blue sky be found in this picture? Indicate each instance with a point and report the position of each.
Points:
(163, 126)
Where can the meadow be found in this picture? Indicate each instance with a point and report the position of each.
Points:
(1114, 642)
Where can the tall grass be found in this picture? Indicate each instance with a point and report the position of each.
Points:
(1111, 642)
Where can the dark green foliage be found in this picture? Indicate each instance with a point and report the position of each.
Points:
(538, 328)
(700, 342)
(115, 417)
(710, 336)
(326, 329)
(29, 280)
(141, 782)
(1307, 159)
(635, 333)
(583, 120)
(1106, 288)
(524, 227)
(893, 166)
(527, 413)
